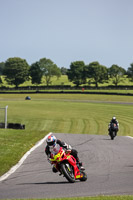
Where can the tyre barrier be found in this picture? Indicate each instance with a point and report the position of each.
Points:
(13, 126)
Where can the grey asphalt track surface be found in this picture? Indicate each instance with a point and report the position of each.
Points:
(108, 164)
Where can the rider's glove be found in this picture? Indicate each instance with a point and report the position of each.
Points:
(69, 147)
(49, 160)
(68, 151)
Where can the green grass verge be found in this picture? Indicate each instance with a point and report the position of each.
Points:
(14, 144)
(62, 113)
(92, 198)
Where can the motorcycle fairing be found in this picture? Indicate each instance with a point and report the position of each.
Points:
(60, 157)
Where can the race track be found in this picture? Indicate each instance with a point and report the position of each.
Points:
(108, 164)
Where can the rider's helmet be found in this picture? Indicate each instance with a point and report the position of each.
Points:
(51, 140)
(114, 119)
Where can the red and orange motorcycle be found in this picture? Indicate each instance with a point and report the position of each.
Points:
(65, 163)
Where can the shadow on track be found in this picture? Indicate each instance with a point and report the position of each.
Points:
(44, 183)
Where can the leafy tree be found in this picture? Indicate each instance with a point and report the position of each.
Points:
(116, 73)
(76, 73)
(130, 72)
(36, 73)
(1, 80)
(64, 71)
(2, 65)
(16, 71)
(57, 72)
(49, 69)
(97, 72)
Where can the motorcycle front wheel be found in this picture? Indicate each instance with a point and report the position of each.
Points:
(67, 170)
(112, 135)
(84, 178)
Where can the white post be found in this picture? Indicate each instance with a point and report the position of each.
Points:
(6, 116)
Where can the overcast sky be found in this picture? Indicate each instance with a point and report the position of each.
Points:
(67, 30)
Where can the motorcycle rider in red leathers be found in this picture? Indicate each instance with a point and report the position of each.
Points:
(54, 144)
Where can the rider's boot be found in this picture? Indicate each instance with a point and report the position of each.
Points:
(79, 164)
(54, 169)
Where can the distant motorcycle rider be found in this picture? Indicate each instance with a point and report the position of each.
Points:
(54, 144)
(114, 121)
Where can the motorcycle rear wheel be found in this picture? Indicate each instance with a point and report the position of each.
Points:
(67, 170)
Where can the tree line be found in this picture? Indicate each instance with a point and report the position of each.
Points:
(16, 71)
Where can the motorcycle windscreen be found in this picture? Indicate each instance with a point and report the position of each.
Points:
(54, 150)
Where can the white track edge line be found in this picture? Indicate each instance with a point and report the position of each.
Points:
(15, 167)
(130, 137)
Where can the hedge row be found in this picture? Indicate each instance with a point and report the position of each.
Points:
(68, 87)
